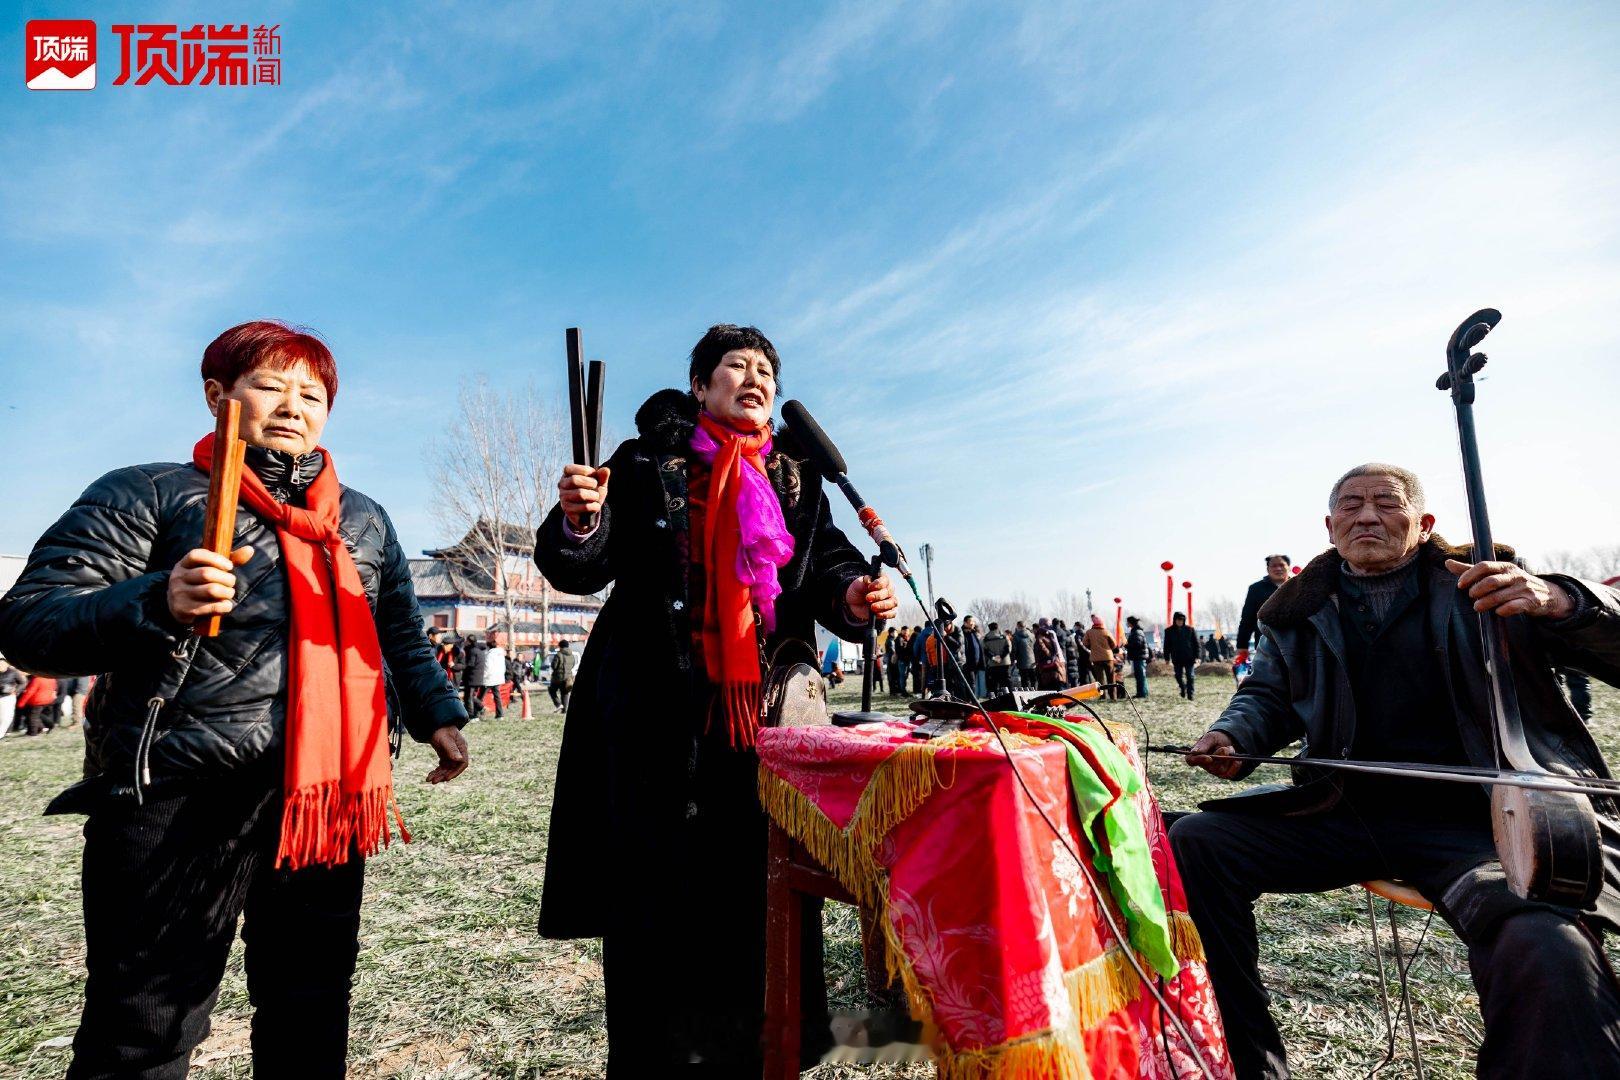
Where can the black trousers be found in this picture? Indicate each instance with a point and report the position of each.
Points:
(683, 958)
(1548, 998)
(998, 679)
(1184, 679)
(164, 885)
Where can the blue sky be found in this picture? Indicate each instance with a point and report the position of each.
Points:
(1077, 287)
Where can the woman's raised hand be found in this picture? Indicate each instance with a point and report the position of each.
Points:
(202, 583)
(581, 491)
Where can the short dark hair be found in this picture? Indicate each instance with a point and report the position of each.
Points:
(993, 626)
(1284, 558)
(720, 339)
(1180, 616)
(1133, 620)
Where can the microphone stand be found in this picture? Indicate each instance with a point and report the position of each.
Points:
(871, 642)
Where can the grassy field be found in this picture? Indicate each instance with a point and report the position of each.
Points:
(453, 981)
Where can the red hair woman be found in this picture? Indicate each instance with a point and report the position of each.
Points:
(719, 544)
(267, 780)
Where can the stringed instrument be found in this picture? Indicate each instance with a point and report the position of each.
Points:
(1548, 841)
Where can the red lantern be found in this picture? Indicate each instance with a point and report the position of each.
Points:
(1119, 619)
(1169, 591)
(1295, 570)
(1188, 586)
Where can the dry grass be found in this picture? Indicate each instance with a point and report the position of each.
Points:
(453, 981)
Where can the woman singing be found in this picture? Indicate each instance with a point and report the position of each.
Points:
(268, 778)
(719, 544)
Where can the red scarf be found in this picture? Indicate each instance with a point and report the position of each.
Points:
(730, 644)
(338, 785)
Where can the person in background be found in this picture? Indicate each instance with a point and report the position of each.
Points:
(900, 643)
(494, 674)
(1137, 652)
(1212, 648)
(1181, 649)
(1259, 593)
(1070, 640)
(973, 655)
(12, 682)
(562, 675)
(36, 705)
(70, 694)
(444, 654)
(1048, 657)
(997, 660)
(919, 659)
(473, 652)
(1100, 646)
(886, 642)
(1024, 655)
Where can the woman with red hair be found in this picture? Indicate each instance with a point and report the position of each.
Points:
(265, 781)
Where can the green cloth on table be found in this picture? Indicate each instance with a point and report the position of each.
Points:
(1125, 861)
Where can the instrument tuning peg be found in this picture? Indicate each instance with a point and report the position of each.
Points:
(1475, 362)
(1443, 382)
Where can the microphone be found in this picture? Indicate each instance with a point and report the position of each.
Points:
(830, 464)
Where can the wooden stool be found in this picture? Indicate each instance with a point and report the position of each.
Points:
(792, 879)
(1395, 892)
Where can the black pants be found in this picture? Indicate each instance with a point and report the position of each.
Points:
(164, 885)
(1547, 996)
(998, 679)
(560, 689)
(683, 958)
(1184, 679)
(38, 719)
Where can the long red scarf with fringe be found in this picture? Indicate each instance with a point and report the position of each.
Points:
(730, 644)
(338, 784)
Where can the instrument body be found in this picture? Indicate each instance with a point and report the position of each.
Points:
(1548, 841)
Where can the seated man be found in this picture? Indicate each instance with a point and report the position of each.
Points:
(1373, 652)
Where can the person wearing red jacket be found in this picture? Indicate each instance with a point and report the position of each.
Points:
(37, 705)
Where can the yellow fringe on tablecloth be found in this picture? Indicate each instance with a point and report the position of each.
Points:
(1096, 989)
(1038, 1057)
(897, 788)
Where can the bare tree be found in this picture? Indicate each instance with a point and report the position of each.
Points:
(1224, 612)
(1003, 610)
(494, 474)
(1069, 606)
(1595, 564)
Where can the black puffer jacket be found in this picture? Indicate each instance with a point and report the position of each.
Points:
(92, 599)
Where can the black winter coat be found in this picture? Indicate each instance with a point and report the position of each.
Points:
(1248, 622)
(636, 697)
(1181, 645)
(93, 599)
(1300, 689)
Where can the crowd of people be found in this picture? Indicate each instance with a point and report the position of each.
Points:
(484, 672)
(38, 704)
(1050, 655)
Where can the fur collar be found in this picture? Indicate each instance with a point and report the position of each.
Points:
(1302, 596)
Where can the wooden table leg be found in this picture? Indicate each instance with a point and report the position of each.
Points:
(784, 914)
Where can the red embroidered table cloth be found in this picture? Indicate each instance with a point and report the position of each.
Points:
(991, 927)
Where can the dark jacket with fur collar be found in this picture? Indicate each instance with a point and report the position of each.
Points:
(635, 678)
(1300, 689)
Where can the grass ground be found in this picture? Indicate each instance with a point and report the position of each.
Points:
(453, 981)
